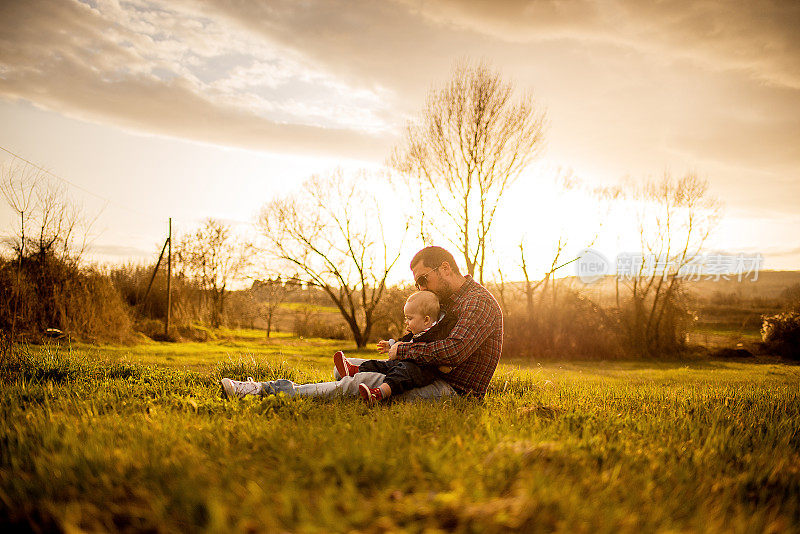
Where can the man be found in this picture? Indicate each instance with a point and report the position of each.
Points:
(472, 349)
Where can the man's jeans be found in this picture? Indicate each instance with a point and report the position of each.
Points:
(348, 386)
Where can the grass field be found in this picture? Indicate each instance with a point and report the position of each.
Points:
(137, 438)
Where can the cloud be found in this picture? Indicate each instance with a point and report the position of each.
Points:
(176, 73)
(758, 37)
(367, 43)
(340, 77)
(364, 37)
(757, 144)
(622, 63)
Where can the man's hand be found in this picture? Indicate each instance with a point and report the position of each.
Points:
(383, 346)
(393, 350)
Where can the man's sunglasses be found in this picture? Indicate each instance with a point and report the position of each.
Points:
(422, 280)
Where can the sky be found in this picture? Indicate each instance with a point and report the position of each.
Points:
(210, 108)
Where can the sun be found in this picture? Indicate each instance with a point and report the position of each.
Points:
(539, 213)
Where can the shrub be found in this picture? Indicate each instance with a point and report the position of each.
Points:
(305, 316)
(791, 297)
(92, 308)
(564, 325)
(149, 327)
(55, 293)
(781, 334)
(329, 330)
(196, 332)
(656, 328)
(189, 303)
(309, 322)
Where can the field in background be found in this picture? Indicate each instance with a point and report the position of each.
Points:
(110, 438)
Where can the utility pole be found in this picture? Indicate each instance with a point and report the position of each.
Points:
(155, 272)
(169, 280)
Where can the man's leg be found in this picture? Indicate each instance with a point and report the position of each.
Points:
(436, 390)
(347, 386)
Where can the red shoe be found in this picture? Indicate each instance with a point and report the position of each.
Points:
(344, 367)
(370, 395)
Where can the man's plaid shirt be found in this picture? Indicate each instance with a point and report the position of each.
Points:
(473, 347)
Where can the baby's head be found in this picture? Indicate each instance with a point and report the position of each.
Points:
(421, 311)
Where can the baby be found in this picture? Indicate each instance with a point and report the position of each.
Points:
(425, 322)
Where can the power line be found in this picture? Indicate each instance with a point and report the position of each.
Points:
(101, 197)
(39, 167)
(96, 195)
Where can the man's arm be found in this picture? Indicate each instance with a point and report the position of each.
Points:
(476, 323)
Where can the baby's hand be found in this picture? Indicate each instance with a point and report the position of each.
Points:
(383, 346)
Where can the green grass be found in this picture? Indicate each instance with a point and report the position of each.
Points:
(319, 308)
(229, 344)
(720, 336)
(125, 438)
(753, 334)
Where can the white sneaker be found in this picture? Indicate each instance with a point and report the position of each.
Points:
(233, 388)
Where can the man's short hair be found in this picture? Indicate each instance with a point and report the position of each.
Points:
(425, 303)
(432, 257)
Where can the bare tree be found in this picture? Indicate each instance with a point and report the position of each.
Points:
(18, 186)
(472, 140)
(529, 288)
(50, 222)
(675, 218)
(48, 240)
(502, 291)
(213, 257)
(271, 293)
(332, 232)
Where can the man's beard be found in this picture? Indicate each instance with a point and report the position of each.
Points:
(445, 290)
